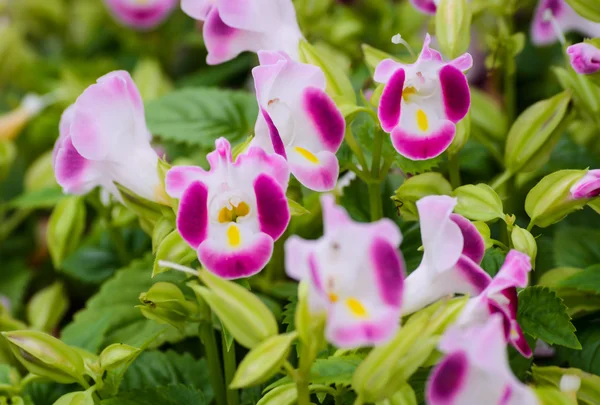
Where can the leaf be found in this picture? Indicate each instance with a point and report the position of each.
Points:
(15, 278)
(198, 116)
(42, 198)
(166, 395)
(590, 384)
(334, 370)
(587, 280)
(296, 209)
(543, 315)
(110, 316)
(588, 358)
(492, 261)
(576, 247)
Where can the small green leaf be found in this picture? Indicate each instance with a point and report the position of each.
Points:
(42, 198)
(296, 209)
(587, 280)
(65, 228)
(283, 395)
(47, 307)
(543, 315)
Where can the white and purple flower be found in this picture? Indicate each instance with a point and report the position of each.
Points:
(355, 273)
(297, 119)
(233, 213)
(500, 297)
(475, 369)
(234, 26)
(585, 58)
(553, 16)
(104, 139)
(587, 187)
(421, 103)
(141, 14)
(453, 249)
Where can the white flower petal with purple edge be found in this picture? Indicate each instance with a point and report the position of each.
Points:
(421, 103)
(141, 14)
(297, 119)
(585, 58)
(453, 249)
(104, 139)
(233, 213)
(588, 186)
(475, 370)
(500, 298)
(553, 15)
(355, 273)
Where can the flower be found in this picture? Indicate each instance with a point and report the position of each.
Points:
(297, 119)
(426, 6)
(587, 187)
(422, 102)
(453, 249)
(104, 139)
(553, 16)
(233, 213)
(234, 26)
(585, 58)
(355, 274)
(141, 14)
(475, 369)
(500, 297)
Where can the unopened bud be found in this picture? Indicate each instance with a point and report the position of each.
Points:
(166, 304)
(417, 187)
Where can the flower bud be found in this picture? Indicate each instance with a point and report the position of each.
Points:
(116, 355)
(166, 304)
(8, 153)
(173, 249)
(76, 398)
(65, 227)
(47, 307)
(551, 200)
(524, 242)
(478, 202)
(40, 174)
(339, 86)
(585, 58)
(46, 356)
(588, 9)
(244, 315)
(463, 132)
(310, 325)
(150, 79)
(264, 361)
(533, 135)
(417, 187)
(453, 27)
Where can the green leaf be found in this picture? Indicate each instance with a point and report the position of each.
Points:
(110, 316)
(198, 116)
(296, 209)
(42, 198)
(334, 370)
(587, 358)
(166, 395)
(543, 315)
(577, 247)
(492, 261)
(15, 278)
(589, 392)
(587, 280)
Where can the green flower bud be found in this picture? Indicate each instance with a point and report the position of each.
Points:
(524, 242)
(244, 315)
(463, 132)
(453, 27)
(116, 355)
(283, 395)
(417, 187)
(65, 228)
(487, 114)
(534, 134)
(584, 91)
(46, 356)
(405, 396)
(150, 79)
(339, 86)
(478, 202)
(264, 361)
(147, 210)
(166, 304)
(589, 9)
(40, 174)
(550, 200)
(47, 307)
(8, 153)
(551, 395)
(310, 326)
(173, 249)
(77, 398)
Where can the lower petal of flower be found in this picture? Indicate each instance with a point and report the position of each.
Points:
(316, 171)
(448, 379)
(326, 119)
(388, 268)
(425, 138)
(74, 173)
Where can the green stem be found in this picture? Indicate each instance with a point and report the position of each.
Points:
(230, 366)
(374, 188)
(503, 178)
(454, 171)
(377, 146)
(307, 357)
(375, 201)
(215, 373)
(354, 146)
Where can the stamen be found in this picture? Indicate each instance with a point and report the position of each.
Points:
(178, 267)
(397, 39)
(549, 17)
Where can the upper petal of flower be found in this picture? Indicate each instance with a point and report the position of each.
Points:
(141, 15)
(455, 92)
(588, 186)
(197, 9)
(585, 58)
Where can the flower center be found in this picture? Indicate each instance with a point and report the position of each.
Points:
(227, 214)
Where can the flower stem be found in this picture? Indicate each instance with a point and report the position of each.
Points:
(230, 367)
(215, 373)
(504, 177)
(375, 201)
(374, 188)
(454, 171)
(354, 146)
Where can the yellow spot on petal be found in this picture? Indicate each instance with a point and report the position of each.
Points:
(422, 121)
(307, 155)
(356, 308)
(407, 92)
(333, 297)
(233, 236)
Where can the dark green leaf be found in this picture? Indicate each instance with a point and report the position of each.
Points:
(577, 247)
(492, 261)
(198, 116)
(14, 280)
(543, 315)
(334, 370)
(167, 395)
(587, 280)
(588, 358)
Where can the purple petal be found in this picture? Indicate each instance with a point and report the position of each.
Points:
(474, 246)
(448, 379)
(513, 273)
(139, 15)
(192, 218)
(272, 206)
(274, 134)
(587, 187)
(180, 177)
(422, 147)
(476, 278)
(456, 93)
(318, 176)
(425, 6)
(325, 116)
(585, 58)
(388, 268)
(391, 101)
(72, 170)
